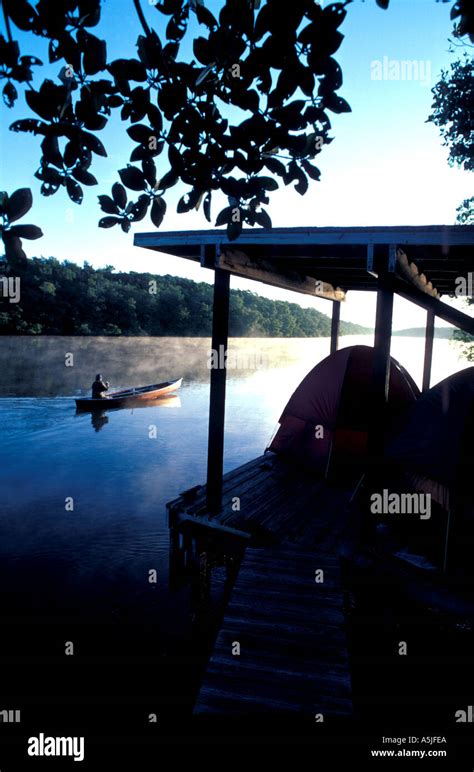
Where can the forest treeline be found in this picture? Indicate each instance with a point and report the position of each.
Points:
(63, 298)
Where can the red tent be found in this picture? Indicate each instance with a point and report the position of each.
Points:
(331, 408)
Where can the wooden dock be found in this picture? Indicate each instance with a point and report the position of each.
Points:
(290, 629)
(269, 501)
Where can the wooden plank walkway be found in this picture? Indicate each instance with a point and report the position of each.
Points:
(276, 499)
(293, 654)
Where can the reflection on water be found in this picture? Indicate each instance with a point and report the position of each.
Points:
(99, 419)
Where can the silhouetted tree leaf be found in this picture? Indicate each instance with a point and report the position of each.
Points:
(13, 248)
(263, 219)
(296, 173)
(133, 178)
(19, 203)
(149, 171)
(175, 159)
(119, 195)
(107, 205)
(74, 190)
(158, 209)
(263, 22)
(302, 185)
(188, 201)
(202, 51)
(306, 80)
(311, 171)
(334, 14)
(267, 183)
(93, 143)
(26, 231)
(82, 175)
(172, 98)
(48, 101)
(140, 208)
(170, 179)
(9, 52)
(207, 206)
(140, 133)
(94, 52)
(224, 216)
(337, 104)
(275, 166)
(89, 12)
(150, 50)
(204, 16)
(141, 152)
(29, 61)
(10, 94)
(31, 125)
(290, 116)
(124, 70)
(21, 13)
(51, 152)
(108, 222)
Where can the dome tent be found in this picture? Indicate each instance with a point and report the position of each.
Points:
(330, 410)
(430, 441)
(432, 447)
(431, 453)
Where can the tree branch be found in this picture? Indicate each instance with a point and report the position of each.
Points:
(141, 16)
(7, 22)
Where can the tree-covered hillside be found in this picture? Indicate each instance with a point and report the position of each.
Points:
(61, 298)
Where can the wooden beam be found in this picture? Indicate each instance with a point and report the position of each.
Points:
(442, 310)
(238, 263)
(215, 448)
(442, 236)
(370, 259)
(410, 272)
(335, 322)
(212, 524)
(430, 326)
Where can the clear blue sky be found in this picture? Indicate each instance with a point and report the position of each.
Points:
(385, 166)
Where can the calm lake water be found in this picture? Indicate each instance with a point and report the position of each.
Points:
(62, 570)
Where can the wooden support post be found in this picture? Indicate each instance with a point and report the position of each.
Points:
(205, 577)
(176, 559)
(381, 365)
(335, 320)
(215, 449)
(430, 325)
(379, 396)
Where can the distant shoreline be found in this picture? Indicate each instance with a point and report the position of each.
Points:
(419, 332)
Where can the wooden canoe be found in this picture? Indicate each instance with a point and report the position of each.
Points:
(129, 396)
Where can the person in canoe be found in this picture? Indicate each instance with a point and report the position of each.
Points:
(99, 387)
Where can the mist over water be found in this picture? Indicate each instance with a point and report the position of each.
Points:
(33, 366)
